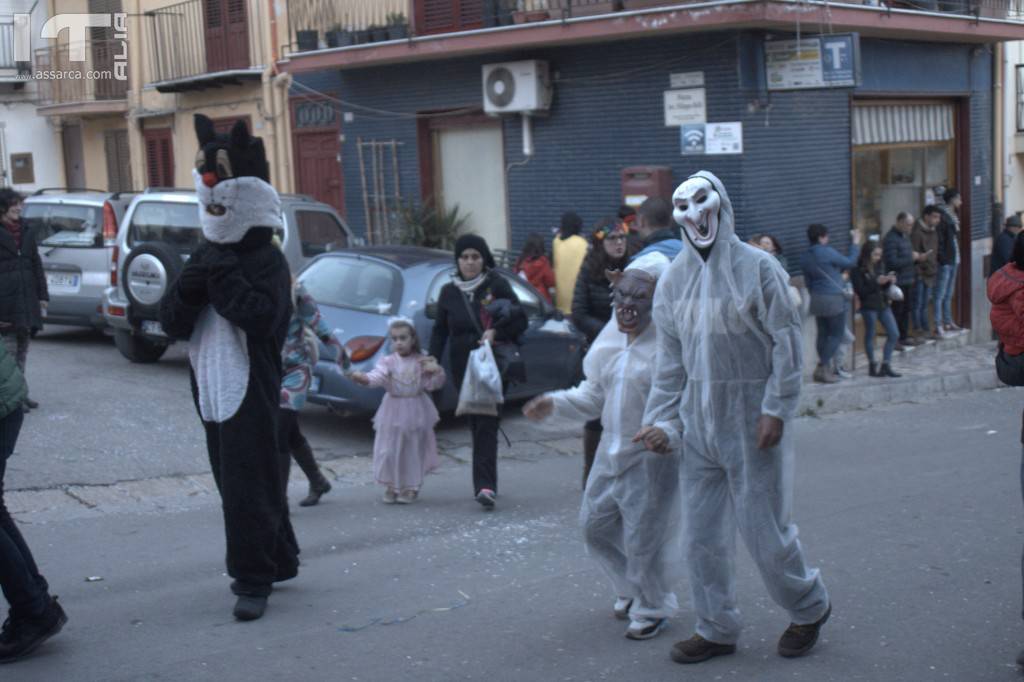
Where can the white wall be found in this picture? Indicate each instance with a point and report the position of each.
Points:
(24, 131)
(1014, 163)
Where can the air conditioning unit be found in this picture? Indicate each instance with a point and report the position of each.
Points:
(516, 87)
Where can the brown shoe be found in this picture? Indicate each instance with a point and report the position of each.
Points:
(697, 649)
(824, 375)
(797, 640)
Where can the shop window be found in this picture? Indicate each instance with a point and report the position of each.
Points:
(890, 180)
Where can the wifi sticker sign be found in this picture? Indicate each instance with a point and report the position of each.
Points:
(692, 138)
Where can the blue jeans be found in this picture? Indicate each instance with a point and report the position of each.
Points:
(945, 283)
(25, 590)
(830, 334)
(923, 294)
(892, 332)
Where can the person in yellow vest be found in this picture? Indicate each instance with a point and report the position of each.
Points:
(568, 250)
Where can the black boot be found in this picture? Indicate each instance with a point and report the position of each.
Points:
(591, 439)
(886, 371)
(873, 370)
(318, 484)
(23, 635)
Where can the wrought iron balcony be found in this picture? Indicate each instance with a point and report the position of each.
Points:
(205, 43)
(320, 24)
(99, 82)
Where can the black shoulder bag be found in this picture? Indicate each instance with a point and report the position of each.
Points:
(510, 361)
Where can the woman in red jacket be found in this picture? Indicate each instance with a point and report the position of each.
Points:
(533, 266)
(1006, 292)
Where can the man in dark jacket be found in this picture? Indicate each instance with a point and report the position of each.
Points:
(1003, 246)
(22, 281)
(900, 257)
(949, 260)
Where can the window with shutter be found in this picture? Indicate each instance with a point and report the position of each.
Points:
(445, 16)
(216, 35)
(159, 158)
(119, 174)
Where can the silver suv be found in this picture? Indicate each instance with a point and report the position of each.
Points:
(76, 231)
(160, 230)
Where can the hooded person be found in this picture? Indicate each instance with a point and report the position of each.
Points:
(729, 368)
(232, 301)
(631, 512)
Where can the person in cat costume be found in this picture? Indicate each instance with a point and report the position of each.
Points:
(232, 301)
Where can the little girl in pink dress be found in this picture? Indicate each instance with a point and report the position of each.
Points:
(405, 449)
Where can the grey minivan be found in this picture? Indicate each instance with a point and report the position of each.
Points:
(76, 231)
(160, 230)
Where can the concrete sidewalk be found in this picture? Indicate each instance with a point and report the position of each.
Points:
(943, 368)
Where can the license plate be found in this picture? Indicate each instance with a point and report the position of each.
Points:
(314, 384)
(62, 280)
(152, 327)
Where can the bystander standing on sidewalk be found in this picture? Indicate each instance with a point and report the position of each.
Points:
(533, 266)
(949, 262)
(22, 281)
(34, 616)
(1002, 247)
(872, 285)
(567, 253)
(823, 267)
(924, 239)
(901, 258)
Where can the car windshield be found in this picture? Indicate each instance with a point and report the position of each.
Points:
(75, 225)
(354, 283)
(173, 223)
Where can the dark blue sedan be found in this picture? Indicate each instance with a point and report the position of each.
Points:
(359, 289)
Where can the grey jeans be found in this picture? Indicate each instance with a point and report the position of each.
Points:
(17, 345)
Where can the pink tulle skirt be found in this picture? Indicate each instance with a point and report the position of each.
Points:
(405, 449)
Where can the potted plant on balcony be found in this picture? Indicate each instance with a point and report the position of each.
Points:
(398, 26)
(340, 36)
(378, 33)
(307, 39)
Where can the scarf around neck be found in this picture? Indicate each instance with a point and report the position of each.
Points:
(468, 286)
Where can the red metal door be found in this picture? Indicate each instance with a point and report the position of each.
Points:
(319, 172)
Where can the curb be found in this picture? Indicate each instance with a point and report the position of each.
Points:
(818, 399)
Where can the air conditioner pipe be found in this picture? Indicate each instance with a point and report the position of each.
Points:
(527, 135)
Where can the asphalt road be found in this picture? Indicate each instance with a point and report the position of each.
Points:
(913, 513)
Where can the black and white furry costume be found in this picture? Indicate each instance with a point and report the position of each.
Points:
(232, 302)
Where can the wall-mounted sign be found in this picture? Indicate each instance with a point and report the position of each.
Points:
(817, 62)
(685, 106)
(692, 136)
(723, 138)
(690, 79)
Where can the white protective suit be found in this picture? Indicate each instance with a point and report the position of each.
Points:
(631, 512)
(729, 350)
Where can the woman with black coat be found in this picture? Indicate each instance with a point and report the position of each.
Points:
(462, 323)
(592, 304)
(871, 285)
(22, 280)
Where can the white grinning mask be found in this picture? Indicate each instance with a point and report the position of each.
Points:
(696, 208)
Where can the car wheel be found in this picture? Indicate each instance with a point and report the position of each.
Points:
(137, 348)
(148, 273)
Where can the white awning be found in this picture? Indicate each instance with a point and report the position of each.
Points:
(896, 123)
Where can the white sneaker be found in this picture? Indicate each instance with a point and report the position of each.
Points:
(621, 608)
(645, 628)
(843, 374)
(390, 496)
(406, 497)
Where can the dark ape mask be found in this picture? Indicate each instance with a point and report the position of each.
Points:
(633, 296)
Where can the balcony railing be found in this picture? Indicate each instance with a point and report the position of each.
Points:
(103, 76)
(318, 24)
(195, 38)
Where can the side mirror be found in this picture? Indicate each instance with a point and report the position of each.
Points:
(431, 311)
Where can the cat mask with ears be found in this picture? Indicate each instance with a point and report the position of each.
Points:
(227, 156)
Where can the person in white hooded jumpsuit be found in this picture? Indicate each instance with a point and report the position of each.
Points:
(631, 512)
(730, 368)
